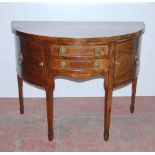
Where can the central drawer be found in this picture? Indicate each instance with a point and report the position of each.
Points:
(63, 65)
(77, 51)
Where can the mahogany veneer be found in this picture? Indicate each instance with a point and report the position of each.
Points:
(78, 50)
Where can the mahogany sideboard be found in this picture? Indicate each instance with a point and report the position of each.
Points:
(80, 51)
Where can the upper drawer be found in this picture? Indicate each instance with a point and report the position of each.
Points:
(77, 51)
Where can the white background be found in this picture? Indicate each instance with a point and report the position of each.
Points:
(76, 12)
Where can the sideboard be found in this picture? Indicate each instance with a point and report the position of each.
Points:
(77, 51)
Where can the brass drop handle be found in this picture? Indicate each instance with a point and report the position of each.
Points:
(62, 51)
(137, 60)
(96, 65)
(97, 51)
(20, 58)
(63, 65)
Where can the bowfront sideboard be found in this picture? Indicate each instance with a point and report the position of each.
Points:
(80, 51)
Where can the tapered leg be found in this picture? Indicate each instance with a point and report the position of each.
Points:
(134, 85)
(108, 86)
(49, 106)
(20, 91)
(107, 112)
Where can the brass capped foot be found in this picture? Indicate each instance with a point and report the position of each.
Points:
(106, 136)
(132, 108)
(21, 110)
(50, 136)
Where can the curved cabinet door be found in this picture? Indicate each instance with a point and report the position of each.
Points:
(30, 61)
(126, 62)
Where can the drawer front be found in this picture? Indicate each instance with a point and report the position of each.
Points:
(126, 61)
(63, 65)
(77, 51)
(30, 61)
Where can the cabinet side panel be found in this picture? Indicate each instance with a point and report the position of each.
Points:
(17, 53)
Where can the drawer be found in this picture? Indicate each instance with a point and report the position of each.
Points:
(77, 51)
(63, 65)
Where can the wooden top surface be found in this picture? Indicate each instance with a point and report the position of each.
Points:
(70, 29)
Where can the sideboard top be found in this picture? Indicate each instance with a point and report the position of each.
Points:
(70, 29)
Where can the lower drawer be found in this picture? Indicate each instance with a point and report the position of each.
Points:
(63, 65)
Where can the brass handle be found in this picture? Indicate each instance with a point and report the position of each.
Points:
(41, 64)
(137, 60)
(20, 58)
(97, 51)
(62, 51)
(117, 62)
(63, 65)
(96, 65)
(136, 57)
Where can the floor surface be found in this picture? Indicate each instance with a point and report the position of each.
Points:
(78, 125)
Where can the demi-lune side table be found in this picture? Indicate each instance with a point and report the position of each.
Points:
(80, 51)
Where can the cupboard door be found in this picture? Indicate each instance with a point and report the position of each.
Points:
(126, 62)
(30, 61)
